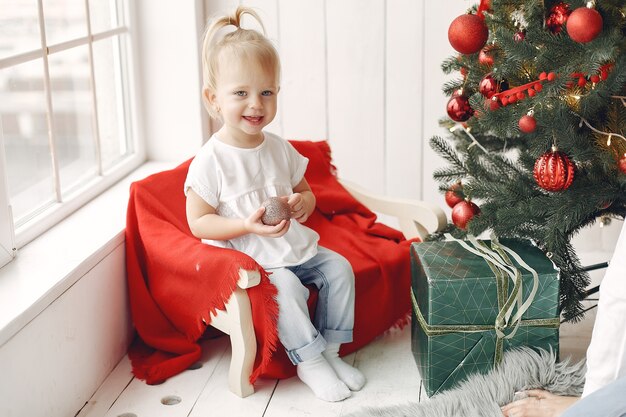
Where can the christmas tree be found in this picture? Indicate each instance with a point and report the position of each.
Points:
(537, 121)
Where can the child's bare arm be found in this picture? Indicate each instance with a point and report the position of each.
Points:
(205, 223)
(302, 201)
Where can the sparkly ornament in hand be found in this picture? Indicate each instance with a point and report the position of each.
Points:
(463, 212)
(454, 195)
(554, 171)
(458, 108)
(468, 33)
(557, 17)
(276, 210)
(584, 24)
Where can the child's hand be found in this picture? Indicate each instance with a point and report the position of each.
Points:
(298, 208)
(253, 224)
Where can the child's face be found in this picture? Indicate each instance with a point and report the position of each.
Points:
(246, 97)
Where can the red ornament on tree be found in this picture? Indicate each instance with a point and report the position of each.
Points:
(459, 109)
(554, 171)
(488, 86)
(527, 123)
(557, 17)
(468, 33)
(485, 56)
(452, 198)
(463, 212)
(621, 164)
(584, 24)
(519, 36)
(492, 104)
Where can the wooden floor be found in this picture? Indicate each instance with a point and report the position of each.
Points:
(392, 378)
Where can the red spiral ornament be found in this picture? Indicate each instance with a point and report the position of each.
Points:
(554, 171)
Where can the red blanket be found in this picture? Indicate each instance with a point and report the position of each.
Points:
(175, 280)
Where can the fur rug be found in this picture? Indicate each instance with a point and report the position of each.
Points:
(483, 395)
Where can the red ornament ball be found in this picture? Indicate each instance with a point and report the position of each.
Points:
(485, 56)
(488, 86)
(459, 108)
(468, 33)
(621, 164)
(451, 197)
(527, 124)
(492, 104)
(554, 171)
(584, 24)
(463, 212)
(519, 36)
(557, 17)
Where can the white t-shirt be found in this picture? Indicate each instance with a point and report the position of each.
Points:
(235, 181)
(606, 355)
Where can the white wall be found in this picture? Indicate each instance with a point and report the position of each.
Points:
(167, 35)
(53, 365)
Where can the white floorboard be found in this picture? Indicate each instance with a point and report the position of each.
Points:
(217, 400)
(392, 378)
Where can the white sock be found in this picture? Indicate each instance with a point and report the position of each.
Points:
(351, 376)
(321, 378)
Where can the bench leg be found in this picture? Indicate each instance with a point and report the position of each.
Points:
(243, 343)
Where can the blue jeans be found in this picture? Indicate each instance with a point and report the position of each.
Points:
(608, 401)
(332, 274)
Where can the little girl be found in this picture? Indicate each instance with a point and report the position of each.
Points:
(231, 176)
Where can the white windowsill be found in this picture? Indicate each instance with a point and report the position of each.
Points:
(48, 266)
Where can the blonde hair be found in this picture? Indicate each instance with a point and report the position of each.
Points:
(243, 44)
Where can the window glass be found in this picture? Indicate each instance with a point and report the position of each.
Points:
(25, 133)
(65, 20)
(103, 15)
(111, 100)
(72, 106)
(65, 116)
(19, 30)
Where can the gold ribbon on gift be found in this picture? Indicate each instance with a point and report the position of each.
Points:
(502, 267)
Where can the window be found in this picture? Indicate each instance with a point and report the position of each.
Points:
(65, 113)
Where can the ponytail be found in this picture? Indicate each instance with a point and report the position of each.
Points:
(234, 19)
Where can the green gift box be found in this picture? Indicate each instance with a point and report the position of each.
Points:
(474, 299)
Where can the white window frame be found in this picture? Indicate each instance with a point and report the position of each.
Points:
(7, 239)
(12, 238)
